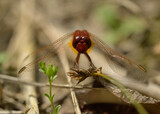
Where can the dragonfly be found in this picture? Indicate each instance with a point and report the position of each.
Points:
(86, 51)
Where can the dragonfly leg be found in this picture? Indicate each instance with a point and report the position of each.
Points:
(91, 63)
(76, 65)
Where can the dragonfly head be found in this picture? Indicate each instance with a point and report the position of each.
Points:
(81, 41)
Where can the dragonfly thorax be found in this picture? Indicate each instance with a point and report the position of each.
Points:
(81, 41)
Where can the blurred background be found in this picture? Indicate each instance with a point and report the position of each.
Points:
(129, 26)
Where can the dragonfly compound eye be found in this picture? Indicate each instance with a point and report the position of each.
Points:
(81, 41)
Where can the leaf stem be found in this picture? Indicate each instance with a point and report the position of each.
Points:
(51, 97)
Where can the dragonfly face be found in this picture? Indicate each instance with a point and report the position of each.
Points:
(81, 41)
(95, 53)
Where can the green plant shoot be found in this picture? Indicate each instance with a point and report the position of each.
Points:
(51, 72)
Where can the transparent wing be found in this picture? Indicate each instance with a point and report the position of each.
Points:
(50, 55)
(113, 63)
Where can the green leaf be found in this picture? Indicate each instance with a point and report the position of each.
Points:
(51, 70)
(58, 107)
(52, 96)
(42, 65)
(48, 71)
(41, 70)
(47, 95)
(55, 70)
(52, 78)
(55, 76)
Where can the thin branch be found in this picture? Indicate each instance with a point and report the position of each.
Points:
(11, 112)
(19, 81)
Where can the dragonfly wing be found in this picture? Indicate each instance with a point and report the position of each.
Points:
(112, 62)
(49, 55)
(118, 63)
